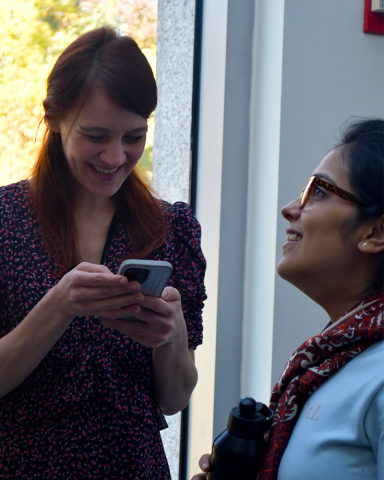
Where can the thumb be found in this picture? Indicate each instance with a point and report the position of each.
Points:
(204, 462)
(170, 294)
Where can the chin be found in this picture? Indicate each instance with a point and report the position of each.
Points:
(105, 190)
(282, 265)
(280, 269)
(286, 271)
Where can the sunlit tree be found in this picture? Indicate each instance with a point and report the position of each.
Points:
(33, 33)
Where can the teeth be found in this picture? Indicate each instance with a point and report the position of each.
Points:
(101, 170)
(293, 237)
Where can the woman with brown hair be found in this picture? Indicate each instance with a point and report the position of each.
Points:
(329, 401)
(79, 399)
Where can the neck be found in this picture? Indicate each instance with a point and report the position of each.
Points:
(353, 312)
(88, 206)
(336, 298)
(339, 308)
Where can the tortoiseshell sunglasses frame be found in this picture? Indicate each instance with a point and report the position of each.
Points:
(313, 180)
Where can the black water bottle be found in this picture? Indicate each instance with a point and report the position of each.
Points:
(237, 452)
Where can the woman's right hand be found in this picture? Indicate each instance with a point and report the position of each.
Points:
(204, 465)
(91, 289)
(86, 290)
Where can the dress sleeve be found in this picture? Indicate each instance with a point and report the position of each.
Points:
(374, 429)
(3, 266)
(189, 269)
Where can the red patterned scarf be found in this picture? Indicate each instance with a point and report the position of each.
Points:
(312, 364)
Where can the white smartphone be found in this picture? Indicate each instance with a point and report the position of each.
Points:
(153, 276)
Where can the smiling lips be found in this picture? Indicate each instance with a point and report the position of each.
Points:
(293, 237)
(102, 170)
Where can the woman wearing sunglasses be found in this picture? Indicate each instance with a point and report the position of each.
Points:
(329, 401)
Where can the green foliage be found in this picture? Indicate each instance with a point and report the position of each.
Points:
(146, 159)
(33, 33)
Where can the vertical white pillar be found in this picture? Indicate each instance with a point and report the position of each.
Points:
(260, 258)
(221, 208)
(208, 208)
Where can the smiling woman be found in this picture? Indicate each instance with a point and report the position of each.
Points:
(328, 403)
(104, 78)
(78, 399)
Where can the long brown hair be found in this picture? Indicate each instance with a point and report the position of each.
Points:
(115, 64)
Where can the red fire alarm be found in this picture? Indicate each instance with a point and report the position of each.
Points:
(374, 17)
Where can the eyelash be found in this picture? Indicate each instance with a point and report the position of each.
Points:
(318, 190)
(101, 137)
(94, 139)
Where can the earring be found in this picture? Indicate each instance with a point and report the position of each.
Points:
(365, 244)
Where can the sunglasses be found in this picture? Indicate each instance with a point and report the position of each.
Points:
(304, 197)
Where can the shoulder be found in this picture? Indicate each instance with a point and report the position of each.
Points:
(14, 190)
(367, 367)
(176, 210)
(373, 355)
(180, 219)
(374, 416)
(13, 200)
(184, 236)
(360, 379)
(12, 197)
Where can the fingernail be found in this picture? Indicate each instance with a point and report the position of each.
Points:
(123, 281)
(204, 466)
(134, 287)
(139, 298)
(164, 294)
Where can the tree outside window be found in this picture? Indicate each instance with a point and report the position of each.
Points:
(33, 33)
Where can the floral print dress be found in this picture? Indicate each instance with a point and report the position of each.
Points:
(87, 410)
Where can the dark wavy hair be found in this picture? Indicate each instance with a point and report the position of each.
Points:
(99, 59)
(362, 147)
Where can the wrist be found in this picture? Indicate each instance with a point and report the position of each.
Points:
(52, 307)
(177, 346)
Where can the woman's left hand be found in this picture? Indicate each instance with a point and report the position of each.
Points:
(162, 327)
(161, 320)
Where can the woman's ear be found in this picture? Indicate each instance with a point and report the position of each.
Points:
(373, 239)
(53, 122)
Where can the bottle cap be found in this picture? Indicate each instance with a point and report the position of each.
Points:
(250, 419)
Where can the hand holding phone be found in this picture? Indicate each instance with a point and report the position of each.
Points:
(152, 275)
(159, 319)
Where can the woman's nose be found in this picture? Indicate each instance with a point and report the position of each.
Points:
(292, 210)
(113, 155)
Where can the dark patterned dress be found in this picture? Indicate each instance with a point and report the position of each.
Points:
(87, 410)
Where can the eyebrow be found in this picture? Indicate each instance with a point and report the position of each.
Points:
(326, 177)
(96, 128)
